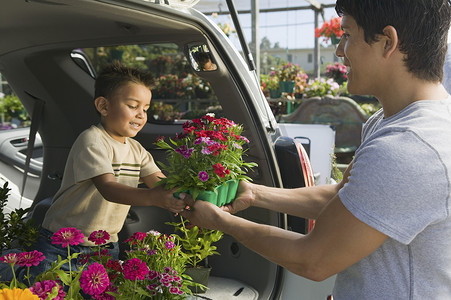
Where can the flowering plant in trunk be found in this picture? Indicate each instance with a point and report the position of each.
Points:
(207, 154)
(153, 269)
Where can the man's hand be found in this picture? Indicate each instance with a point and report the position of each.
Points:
(245, 198)
(204, 214)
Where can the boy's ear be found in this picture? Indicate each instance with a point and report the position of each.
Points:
(101, 104)
(390, 36)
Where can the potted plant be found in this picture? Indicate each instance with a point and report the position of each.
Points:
(197, 247)
(337, 72)
(206, 160)
(287, 74)
(321, 87)
(330, 30)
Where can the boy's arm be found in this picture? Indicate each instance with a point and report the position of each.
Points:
(123, 194)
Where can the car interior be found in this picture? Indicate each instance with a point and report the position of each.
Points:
(50, 52)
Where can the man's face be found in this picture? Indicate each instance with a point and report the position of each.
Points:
(126, 112)
(360, 58)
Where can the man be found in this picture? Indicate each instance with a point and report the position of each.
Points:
(385, 228)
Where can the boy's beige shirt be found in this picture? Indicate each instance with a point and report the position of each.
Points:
(78, 203)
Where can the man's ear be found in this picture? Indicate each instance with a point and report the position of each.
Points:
(390, 37)
(101, 104)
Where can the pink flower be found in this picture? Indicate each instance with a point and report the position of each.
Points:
(10, 258)
(203, 176)
(169, 245)
(43, 288)
(105, 295)
(135, 269)
(94, 280)
(29, 259)
(99, 237)
(137, 236)
(152, 274)
(68, 236)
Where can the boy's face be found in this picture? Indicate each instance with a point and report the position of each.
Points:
(125, 114)
(360, 58)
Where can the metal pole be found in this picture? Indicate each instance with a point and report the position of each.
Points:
(255, 36)
(316, 55)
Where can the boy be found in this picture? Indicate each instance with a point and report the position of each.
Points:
(385, 228)
(104, 168)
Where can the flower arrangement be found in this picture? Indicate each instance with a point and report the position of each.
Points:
(206, 155)
(301, 83)
(321, 87)
(330, 30)
(154, 269)
(288, 71)
(269, 82)
(337, 72)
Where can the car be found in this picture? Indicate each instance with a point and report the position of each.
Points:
(50, 52)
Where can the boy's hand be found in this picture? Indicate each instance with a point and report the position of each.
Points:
(166, 199)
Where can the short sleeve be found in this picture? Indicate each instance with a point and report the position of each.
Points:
(395, 178)
(91, 161)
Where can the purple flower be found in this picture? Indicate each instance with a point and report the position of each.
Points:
(153, 274)
(236, 145)
(203, 176)
(99, 237)
(29, 259)
(135, 269)
(67, 236)
(94, 280)
(244, 139)
(42, 289)
(169, 245)
(183, 150)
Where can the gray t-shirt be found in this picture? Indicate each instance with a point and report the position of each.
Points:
(447, 70)
(400, 185)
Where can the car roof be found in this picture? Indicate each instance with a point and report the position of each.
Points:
(35, 23)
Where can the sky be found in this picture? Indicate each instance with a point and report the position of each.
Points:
(291, 29)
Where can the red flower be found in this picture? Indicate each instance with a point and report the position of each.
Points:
(99, 237)
(220, 170)
(135, 269)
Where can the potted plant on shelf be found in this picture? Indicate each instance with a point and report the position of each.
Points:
(206, 160)
(330, 30)
(196, 248)
(287, 73)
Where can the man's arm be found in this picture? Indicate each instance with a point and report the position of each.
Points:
(301, 202)
(337, 241)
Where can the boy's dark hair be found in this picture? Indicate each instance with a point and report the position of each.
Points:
(115, 75)
(422, 27)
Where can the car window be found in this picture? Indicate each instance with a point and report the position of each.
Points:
(179, 93)
(12, 112)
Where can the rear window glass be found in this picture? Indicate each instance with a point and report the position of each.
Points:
(179, 93)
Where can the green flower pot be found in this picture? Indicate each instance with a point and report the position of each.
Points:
(223, 194)
(199, 275)
(274, 94)
(287, 86)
